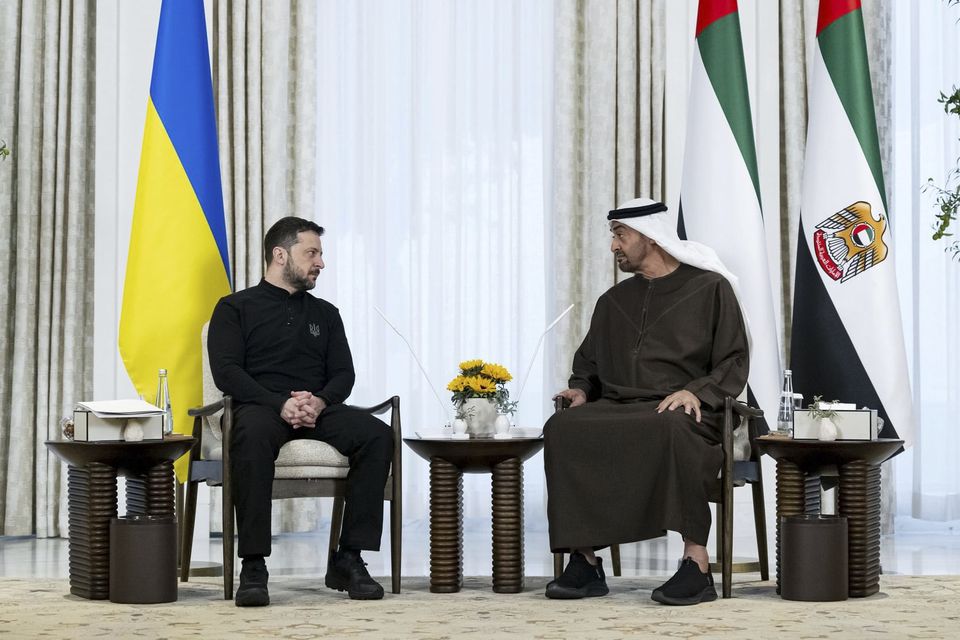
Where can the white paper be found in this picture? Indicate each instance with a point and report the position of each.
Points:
(839, 406)
(134, 408)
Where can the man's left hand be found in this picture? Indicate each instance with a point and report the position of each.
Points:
(682, 398)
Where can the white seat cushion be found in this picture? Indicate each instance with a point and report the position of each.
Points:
(285, 473)
(310, 453)
(310, 459)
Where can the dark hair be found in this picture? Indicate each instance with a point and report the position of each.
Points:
(284, 232)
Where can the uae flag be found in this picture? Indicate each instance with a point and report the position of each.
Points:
(720, 192)
(847, 336)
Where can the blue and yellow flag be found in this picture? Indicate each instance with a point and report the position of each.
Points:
(177, 266)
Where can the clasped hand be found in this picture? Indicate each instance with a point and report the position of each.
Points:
(302, 409)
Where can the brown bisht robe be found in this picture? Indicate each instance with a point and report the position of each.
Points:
(617, 471)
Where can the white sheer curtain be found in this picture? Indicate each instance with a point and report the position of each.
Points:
(926, 62)
(432, 175)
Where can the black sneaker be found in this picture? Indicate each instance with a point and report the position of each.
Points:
(253, 584)
(346, 571)
(579, 580)
(688, 585)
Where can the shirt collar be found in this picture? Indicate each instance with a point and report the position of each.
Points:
(277, 292)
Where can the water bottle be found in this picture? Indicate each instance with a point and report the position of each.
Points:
(163, 401)
(785, 413)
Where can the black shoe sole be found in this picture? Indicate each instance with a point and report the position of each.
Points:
(707, 595)
(340, 585)
(252, 597)
(591, 590)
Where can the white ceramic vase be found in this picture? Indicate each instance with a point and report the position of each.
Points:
(828, 430)
(480, 415)
(132, 432)
(502, 425)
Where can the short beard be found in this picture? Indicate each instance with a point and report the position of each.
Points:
(300, 282)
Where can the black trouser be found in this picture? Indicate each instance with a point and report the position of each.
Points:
(258, 434)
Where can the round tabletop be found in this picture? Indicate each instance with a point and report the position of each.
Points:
(813, 453)
(476, 455)
(127, 457)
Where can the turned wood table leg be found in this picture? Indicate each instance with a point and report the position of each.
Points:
(446, 527)
(91, 504)
(507, 486)
(859, 501)
(790, 498)
(152, 493)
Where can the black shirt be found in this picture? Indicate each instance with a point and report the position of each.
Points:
(265, 342)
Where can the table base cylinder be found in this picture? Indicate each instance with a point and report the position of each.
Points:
(92, 504)
(508, 526)
(446, 527)
(143, 560)
(859, 501)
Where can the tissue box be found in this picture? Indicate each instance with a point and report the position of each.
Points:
(88, 427)
(856, 424)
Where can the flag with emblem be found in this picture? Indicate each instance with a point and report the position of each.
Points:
(720, 191)
(847, 341)
(177, 265)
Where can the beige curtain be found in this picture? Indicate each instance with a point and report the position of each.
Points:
(264, 59)
(608, 146)
(797, 20)
(47, 61)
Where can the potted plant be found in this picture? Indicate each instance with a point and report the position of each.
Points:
(824, 413)
(479, 395)
(947, 196)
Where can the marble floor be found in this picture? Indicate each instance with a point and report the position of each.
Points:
(915, 550)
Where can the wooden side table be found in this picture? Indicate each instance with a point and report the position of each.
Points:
(449, 460)
(92, 473)
(799, 467)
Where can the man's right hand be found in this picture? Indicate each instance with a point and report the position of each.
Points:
(576, 397)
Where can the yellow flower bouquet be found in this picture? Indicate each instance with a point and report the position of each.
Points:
(485, 380)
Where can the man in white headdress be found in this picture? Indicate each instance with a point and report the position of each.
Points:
(639, 447)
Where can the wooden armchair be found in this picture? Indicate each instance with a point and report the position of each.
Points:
(304, 468)
(741, 466)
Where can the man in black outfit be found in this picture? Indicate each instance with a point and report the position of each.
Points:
(283, 356)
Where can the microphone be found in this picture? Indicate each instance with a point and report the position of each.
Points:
(443, 405)
(537, 350)
(533, 358)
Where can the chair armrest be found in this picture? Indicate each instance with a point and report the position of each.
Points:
(733, 407)
(560, 403)
(206, 410)
(389, 403)
(198, 414)
(392, 405)
(746, 411)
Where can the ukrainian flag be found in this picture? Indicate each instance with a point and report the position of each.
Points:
(177, 266)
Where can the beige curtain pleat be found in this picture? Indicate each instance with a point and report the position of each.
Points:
(47, 63)
(608, 146)
(264, 82)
